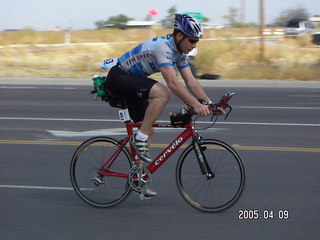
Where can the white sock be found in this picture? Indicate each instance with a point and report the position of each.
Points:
(141, 137)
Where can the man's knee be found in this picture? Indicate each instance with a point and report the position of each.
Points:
(160, 91)
(165, 94)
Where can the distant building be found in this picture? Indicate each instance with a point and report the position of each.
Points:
(141, 24)
(137, 24)
(55, 29)
(207, 25)
(315, 20)
(154, 24)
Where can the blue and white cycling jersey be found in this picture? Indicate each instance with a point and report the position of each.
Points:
(148, 57)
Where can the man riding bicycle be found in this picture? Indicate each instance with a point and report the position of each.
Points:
(128, 78)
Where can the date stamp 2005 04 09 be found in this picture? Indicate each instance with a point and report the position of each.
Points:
(254, 214)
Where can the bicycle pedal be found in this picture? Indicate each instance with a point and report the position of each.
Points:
(143, 196)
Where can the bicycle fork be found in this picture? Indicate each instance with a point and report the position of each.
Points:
(201, 158)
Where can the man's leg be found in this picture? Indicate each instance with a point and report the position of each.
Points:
(159, 96)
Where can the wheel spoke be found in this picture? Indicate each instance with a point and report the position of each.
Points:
(100, 188)
(216, 193)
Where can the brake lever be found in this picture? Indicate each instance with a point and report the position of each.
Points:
(230, 109)
(223, 103)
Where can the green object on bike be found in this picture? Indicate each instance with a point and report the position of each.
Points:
(100, 90)
(98, 83)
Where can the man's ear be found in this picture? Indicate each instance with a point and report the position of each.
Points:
(179, 36)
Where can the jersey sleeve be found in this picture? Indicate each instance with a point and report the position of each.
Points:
(163, 55)
(182, 61)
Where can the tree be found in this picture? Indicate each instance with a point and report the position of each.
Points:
(100, 24)
(233, 17)
(169, 20)
(297, 13)
(119, 21)
(148, 17)
(205, 19)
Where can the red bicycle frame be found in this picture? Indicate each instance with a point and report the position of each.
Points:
(160, 159)
(169, 150)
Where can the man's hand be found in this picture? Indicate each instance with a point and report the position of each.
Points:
(219, 111)
(202, 110)
(205, 110)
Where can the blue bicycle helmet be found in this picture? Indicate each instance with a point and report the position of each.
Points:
(188, 25)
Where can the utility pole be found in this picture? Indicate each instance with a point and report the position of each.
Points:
(261, 29)
(243, 12)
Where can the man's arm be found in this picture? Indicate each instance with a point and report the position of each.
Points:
(193, 84)
(195, 87)
(178, 89)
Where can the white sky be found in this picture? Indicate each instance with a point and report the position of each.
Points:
(82, 14)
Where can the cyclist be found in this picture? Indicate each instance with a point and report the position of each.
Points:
(128, 78)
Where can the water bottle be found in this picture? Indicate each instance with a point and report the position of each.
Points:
(98, 83)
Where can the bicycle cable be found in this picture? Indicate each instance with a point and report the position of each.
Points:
(211, 120)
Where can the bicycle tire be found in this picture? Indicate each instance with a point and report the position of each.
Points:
(215, 194)
(85, 163)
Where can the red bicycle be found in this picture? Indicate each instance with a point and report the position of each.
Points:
(210, 174)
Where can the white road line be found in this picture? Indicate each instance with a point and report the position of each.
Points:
(108, 132)
(26, 87)
(272, 124)
(289, 108)
(97, 132)
(60, 119)
(299, 96)
(163, 121)
(17, 87)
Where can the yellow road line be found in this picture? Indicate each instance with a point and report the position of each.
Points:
(157, 145)
(285, 149)
(30, 142)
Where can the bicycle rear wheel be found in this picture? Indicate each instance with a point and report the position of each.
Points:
(98, 187)
(211, 193)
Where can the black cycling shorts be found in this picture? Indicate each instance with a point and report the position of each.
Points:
(133, 88)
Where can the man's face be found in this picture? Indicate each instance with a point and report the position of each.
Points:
(188, 43)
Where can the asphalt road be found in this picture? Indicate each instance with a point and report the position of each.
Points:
(275, 129)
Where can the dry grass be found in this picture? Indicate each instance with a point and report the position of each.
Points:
(287, 59)
(30, 37)
(291, 59)
(71, 61)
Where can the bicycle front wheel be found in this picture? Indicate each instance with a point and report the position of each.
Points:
(215, 192)
(97, 186)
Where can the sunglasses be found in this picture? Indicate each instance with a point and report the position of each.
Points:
(193, 41)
